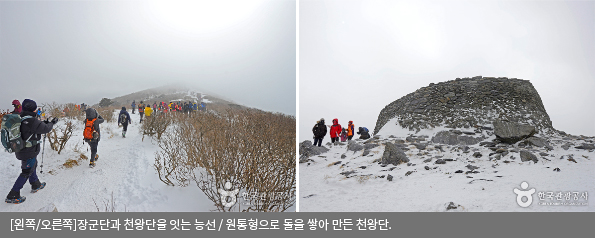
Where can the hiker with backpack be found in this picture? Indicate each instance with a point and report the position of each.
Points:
(24, 142)
(364, 133)
(124, 120)
(319, 131)
(17, 107)
(132, 105)
(155, 106)
(335, 130)
(141, 111)
(350, 130)
(92, 133)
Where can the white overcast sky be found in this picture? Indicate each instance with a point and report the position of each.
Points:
(358, 56)
(81, 51)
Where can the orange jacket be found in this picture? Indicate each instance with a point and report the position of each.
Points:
(350, 128)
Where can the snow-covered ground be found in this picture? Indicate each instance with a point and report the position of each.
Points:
(324, 188)
(125, 168)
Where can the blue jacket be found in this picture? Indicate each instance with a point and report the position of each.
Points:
(127, 116)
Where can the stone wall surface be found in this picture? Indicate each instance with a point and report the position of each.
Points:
(468, 102)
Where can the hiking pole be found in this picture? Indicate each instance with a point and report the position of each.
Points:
(42, 152)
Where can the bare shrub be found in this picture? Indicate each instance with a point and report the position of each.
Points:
(155, 125)
(59, 136)
(108, 113)
(253, 150)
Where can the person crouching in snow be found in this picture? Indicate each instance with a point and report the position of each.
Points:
(124, 120)
(335, 130)
(31, 130)
(363, 132)
(92, 133)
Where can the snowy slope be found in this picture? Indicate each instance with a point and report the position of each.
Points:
(125, 168)
(324, 188)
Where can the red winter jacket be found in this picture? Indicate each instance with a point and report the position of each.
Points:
(335, 128)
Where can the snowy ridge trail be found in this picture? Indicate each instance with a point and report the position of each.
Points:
(125, 168)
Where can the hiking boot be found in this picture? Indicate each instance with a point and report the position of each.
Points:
(14, 197)
(92, 164)
(36, 186)
(96, 157)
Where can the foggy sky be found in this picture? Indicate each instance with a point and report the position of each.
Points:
(358, 56)
(73, 51)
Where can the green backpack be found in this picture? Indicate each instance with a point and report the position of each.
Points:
(11, 133)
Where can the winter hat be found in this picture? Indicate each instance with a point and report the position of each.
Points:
(16, 102)
(91, 113)
(29, 105)
(124, 108)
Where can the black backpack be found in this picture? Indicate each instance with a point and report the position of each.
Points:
(123, 118)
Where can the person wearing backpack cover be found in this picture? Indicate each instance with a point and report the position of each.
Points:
(124, 119)
(319, 131)
(363, 132)
(335, 130)
(92, 133)
(31, 129)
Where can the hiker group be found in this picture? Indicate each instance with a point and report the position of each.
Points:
(337, 132)
(21, 134)
(162, 107)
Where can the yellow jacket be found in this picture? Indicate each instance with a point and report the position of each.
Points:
(148, 111)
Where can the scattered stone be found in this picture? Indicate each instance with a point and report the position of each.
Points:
(409, 173)
(421, 146)
(354, 146)
(528, 156)
(543, 154)
(572, 160)
(343, 156)
(487, 144)
(347, 173)
(471, 167)
(586, 146)
(366, 152)
(307, 150)
(557, 169)
(459, 171)
(370, 146)
(451, 206)
(427, 167)
(362, 167)
(440, 161)
(477, 154)
(393, 155)
(336, 163)
(512, 132)
(428, 160)
(389, 177)
(536, 141)
(566, 146)
(449, 138)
